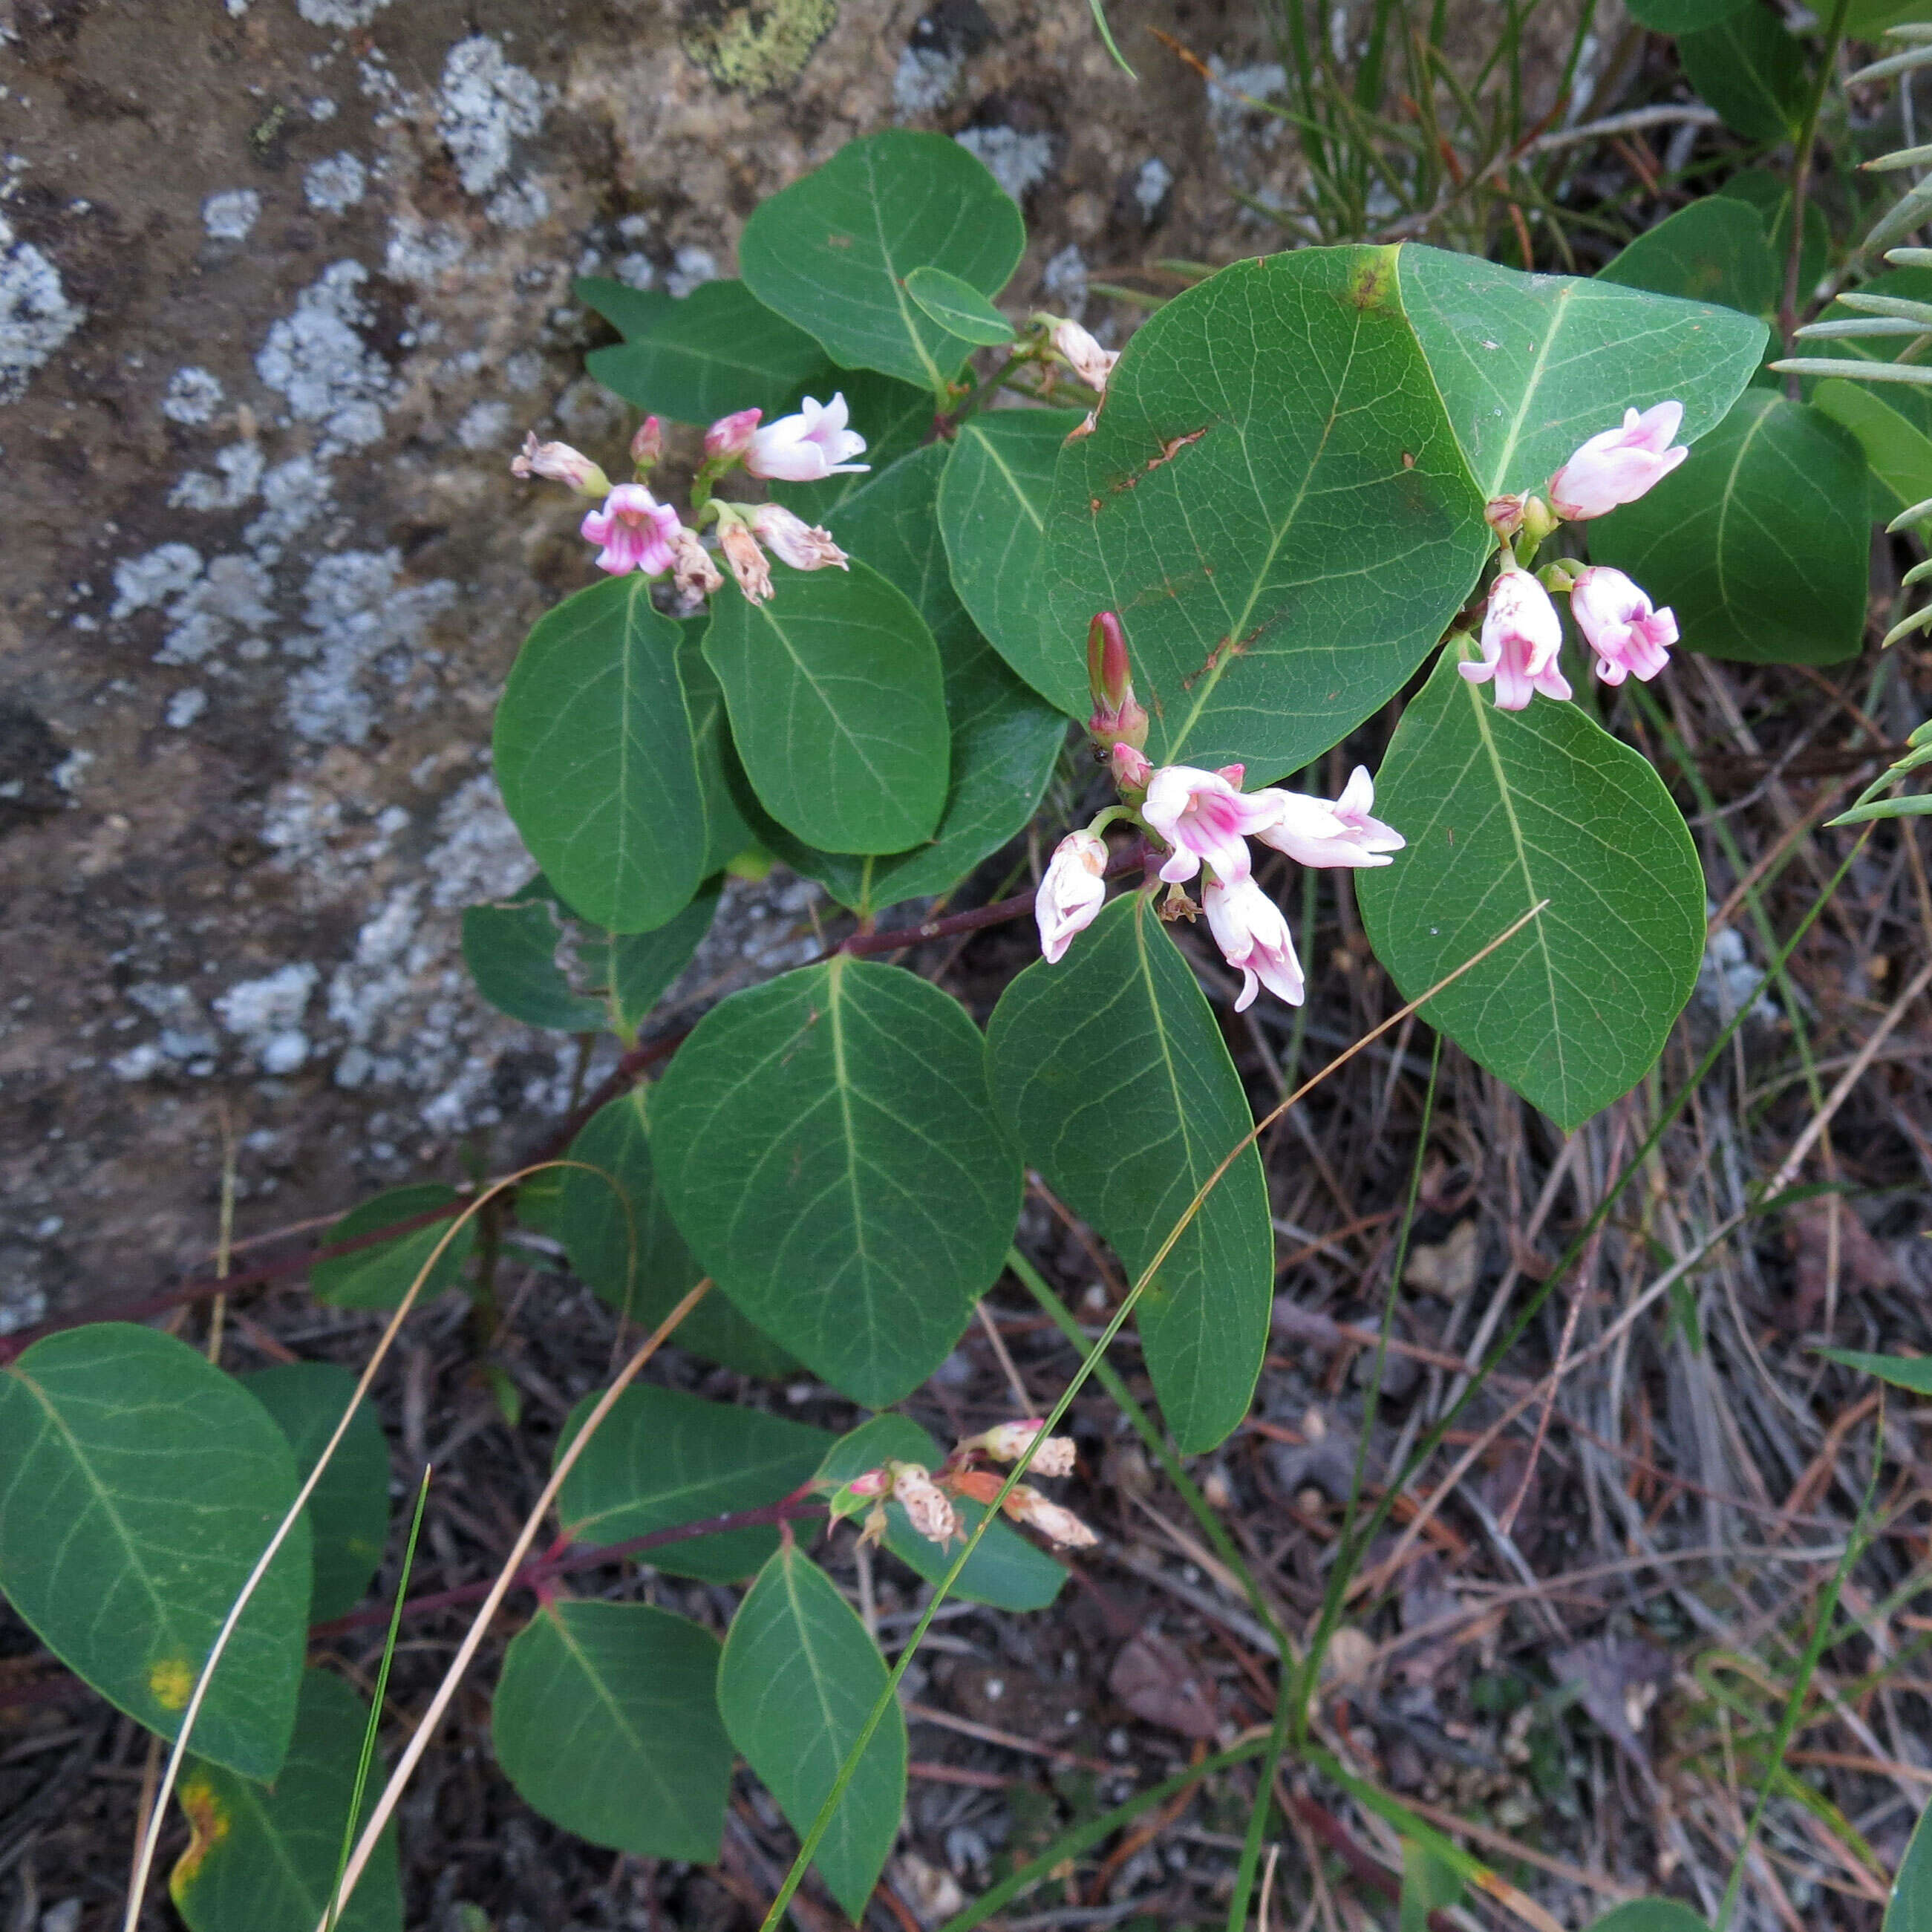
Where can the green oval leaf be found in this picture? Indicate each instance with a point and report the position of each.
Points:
(1005, 1570)
(262, 1857)
(510, 947)
(958, 307)
(1759, 540)
(717, 350)
(141, 1485)
(593, 750)
(799, 1679)
(606, 1721)
(826, 1144)
(643, 965)
(612, 1220)
(1004, 739)
(1713, 251)
(1910, 1907)
(831, 252)
(1501, 809)
(1273, 502)
(1905, 1371)
(1650, 1915)
(1530, 367)
(837, 702)
(1111, 1075)
(992, 515)
(662, 1459)
(379, 1276)
(632, 312)
(1897, 452)
(348, 1511)
(1683, 16)
(1752, 70)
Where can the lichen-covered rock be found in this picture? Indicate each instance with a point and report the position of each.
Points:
(283, 283)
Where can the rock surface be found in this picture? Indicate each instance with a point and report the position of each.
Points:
(282, 284)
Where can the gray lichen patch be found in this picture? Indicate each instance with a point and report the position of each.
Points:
(36, 317)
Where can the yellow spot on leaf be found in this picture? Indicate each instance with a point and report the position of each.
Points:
(208, 1825)
(172, 1681)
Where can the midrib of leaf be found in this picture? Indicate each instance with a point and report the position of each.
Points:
(1005, 468)
(835, 1013)
(1146, 964)
(1211, 682)
(103, 1495)
(787, 1559)
(845, 731)
(1564, 298)
(579, 1657)
(687, 1488)
(899, 295)
(1726, 495)
(250, 1796)
(1479, 703)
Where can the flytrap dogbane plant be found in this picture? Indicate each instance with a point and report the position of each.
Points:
(1296, 494)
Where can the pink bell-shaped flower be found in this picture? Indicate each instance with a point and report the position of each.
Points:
(637, 531)
(1316, 831)
(1618, 622)
(1254, 939)
(806, 447)
(1522, 636)
(1619, 465)
(1206, 817)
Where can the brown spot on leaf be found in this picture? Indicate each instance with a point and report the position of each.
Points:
(209, 1824)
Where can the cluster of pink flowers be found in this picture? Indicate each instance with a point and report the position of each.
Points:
(927, 1499)
(1522, 635)
(633, 531)
(1207, 820)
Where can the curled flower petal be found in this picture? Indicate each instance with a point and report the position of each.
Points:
(558, 462)
(1254, 939)
(927, 1507)
(1024, 1503)
(747, 561)
(1010, 1441)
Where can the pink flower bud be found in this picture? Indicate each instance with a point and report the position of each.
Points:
(1117, 717)
(792, 541)
(1132, 768)
(635, 530)
(1503, 514)
(1254, 939)
(558, 462)
(926, 1505)
(1024, 1503)
(1619, 465)
(647, 445)
(1205, 819)
(806, 447)
(1616, 619)
(695, 574)
(1071, 893)
(873, 1483)
(730, 436)
(1316, 831)
(747, 561)
(1081, 354)
(1522, 635)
